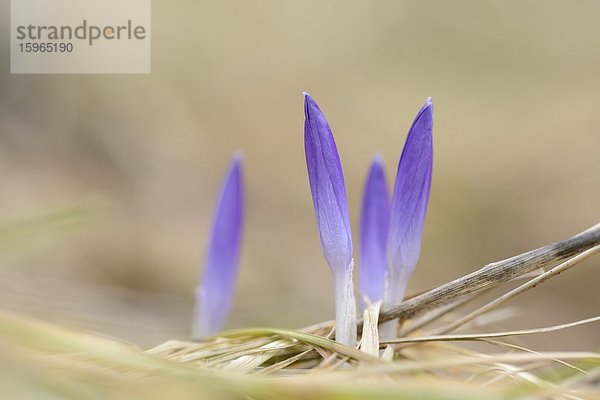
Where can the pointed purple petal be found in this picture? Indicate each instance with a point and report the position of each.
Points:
(331, 209)
(327, 187)
(374, 225)
(215, 293)
(409, 203)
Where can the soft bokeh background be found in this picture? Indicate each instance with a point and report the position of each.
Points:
(111, 180)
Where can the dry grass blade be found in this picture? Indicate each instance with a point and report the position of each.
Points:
(369, 342)
(521, 348)
(248, 362)
(285, 363)
(591, 378)
(464, 361)
(477, 336)
(314, 340)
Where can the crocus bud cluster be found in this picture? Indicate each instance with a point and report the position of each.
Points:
(390, 231)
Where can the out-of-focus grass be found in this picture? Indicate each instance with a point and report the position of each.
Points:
(22, 233)
(43, 293)
(46, 362)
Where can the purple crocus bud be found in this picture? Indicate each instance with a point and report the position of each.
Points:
(331, 210)
(374, 225)
(408, 208)
(215, 293)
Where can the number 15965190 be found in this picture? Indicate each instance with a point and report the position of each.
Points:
(46, 47)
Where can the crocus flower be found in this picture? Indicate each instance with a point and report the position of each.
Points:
(215, 293)
(331, 210)
(408, 208)
(374, 225)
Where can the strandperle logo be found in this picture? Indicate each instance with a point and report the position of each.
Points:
(85, 31)
(80, 36)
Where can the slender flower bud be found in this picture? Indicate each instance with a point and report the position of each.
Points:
(408, 208)
(331, 210)
(215, 293)
(374, 225)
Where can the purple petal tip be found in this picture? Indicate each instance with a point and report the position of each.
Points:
(409, 202)
(327, 187)
(238, 157)
(374, 225)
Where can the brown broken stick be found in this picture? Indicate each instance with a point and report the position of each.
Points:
(494, 274)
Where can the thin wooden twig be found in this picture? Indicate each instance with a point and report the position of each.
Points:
(521, 289)
(437, 314)
(494, 274)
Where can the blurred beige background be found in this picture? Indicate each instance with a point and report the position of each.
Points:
(516, 88)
